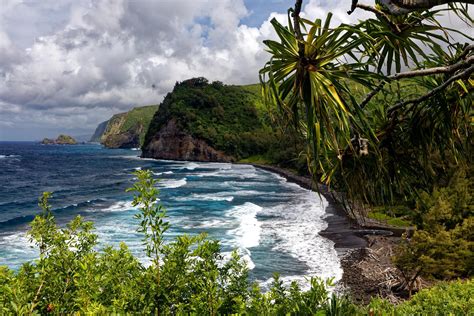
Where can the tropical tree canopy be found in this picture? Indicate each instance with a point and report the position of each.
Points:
(385, 105)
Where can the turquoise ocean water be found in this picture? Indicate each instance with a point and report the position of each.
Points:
(274, 224)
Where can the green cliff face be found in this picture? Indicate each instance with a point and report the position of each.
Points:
(208, 122)
(126, 130)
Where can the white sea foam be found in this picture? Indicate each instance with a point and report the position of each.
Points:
(161, 173)
(211, 223)
(135, 149)
(172, 183)
(120, 206)
(16, 248)
(218, 165)
(191, 166)
(8, 156)
(297, 226)
(209, 174)
(247, 234)
(205, 197)
(287, 219)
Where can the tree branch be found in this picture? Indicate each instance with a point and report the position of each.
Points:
(353, 7)
(380, 15)
(465, 63)
(439, 88)
(433, 71)
(372, 93)
(400, 7)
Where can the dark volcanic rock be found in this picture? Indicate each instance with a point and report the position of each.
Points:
(173, 143)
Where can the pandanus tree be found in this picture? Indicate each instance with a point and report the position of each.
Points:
(382, 103)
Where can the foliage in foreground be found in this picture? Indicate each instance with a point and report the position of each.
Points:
(186, 276)
(395, 134)
(454, 298)
(443, 245)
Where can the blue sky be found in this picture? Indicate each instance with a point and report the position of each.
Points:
(67, 65)
(259, 10)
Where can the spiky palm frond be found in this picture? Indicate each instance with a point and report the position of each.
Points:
(309, 84)
(403, 40)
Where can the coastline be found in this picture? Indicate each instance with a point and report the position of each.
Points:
(366, 262)
(364, 258)
(340, 229)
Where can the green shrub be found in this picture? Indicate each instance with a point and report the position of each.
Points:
(443, 246)
(453, 298)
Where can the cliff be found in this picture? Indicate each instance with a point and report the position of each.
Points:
(208, 122)
(171, 142)
(99, 131)
(125, 130)
(61, 140)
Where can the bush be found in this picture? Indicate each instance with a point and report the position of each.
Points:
(454, 298)
(443, 247)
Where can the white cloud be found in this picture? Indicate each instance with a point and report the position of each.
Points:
(72, 64)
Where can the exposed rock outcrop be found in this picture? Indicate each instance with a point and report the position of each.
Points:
(171, 142)
(61, 140)
(128, 139)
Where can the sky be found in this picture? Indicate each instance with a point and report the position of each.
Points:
(67, 65)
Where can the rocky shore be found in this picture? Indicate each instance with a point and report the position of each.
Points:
(365, 259)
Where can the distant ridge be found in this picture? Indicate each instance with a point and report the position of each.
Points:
(125, 130)
(98, 132)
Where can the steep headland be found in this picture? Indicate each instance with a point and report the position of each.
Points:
(99, 131)
(125, 130)
(61, 140)
(205, 121)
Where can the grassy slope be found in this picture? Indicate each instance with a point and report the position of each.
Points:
(131, 121)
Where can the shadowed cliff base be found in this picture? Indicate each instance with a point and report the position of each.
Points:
(173, 143)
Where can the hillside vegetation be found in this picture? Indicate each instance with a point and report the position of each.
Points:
(127, 130)
(228, 118)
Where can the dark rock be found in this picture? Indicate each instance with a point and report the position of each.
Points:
(173, 143)
(122, 140)
(61, 140)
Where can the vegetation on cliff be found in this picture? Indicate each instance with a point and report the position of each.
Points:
(61, 140)
(226, 117)
(128, 129)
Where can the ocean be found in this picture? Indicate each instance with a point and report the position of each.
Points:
(274, 224)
